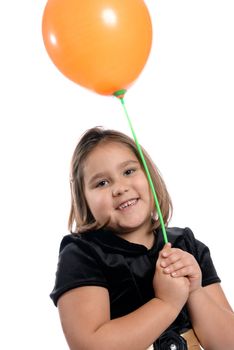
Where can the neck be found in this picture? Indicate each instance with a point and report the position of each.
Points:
(139, 237)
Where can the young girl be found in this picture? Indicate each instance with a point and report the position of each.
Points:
(117, 285)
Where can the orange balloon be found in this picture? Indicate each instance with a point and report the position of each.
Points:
(102, 45)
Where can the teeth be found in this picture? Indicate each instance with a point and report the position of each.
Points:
(127, 204)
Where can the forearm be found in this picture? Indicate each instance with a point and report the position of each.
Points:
(213, 324)
(137, 330)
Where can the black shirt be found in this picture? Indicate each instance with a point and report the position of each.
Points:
(101, 258)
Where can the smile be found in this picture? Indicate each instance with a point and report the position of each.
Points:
(127, 204)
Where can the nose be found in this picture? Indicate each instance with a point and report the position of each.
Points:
(119, 189)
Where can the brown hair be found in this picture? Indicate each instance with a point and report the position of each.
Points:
(81, 218)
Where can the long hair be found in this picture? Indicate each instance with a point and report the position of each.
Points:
(81, 218)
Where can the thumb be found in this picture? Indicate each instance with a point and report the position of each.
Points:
(166, 249)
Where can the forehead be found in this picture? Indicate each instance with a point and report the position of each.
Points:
(107, 154)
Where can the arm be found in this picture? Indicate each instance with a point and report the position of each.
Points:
(213, 322)
(211, 315)
(85, 316)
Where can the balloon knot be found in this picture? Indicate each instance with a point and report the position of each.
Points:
(120, 93)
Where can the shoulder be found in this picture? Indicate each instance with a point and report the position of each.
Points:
(178, 234)
(175, 233)
(78, 265)
(185, 239)
(72, 239)
(76, 243)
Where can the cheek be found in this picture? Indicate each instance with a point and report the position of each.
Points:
(144, 186)
(98, 206)
(147, 192)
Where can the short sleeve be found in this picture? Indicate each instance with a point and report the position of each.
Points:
(77, 266)
(202, 254)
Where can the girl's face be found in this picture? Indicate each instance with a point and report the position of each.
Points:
(116, 188)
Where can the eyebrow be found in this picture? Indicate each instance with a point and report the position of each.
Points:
(120, 166)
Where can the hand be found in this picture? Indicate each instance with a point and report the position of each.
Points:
(178, 263)
(174, 291)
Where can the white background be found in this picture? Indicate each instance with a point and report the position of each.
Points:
(182, 110)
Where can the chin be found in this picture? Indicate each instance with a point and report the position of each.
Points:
(130, 228)
(121, 229)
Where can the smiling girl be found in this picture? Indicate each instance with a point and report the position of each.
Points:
(117, 285)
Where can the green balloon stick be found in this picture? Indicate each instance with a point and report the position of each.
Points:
(120, 95)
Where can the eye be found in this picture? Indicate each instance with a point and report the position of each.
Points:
(129, 171)
(102, 183)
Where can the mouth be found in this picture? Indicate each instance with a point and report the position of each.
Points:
(127, 204)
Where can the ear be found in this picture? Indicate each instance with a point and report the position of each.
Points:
(154, 215)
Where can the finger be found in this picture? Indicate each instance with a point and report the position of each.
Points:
(166, 246)
(172, 257)
(186, 271)
(166, 250)
(174, 267)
